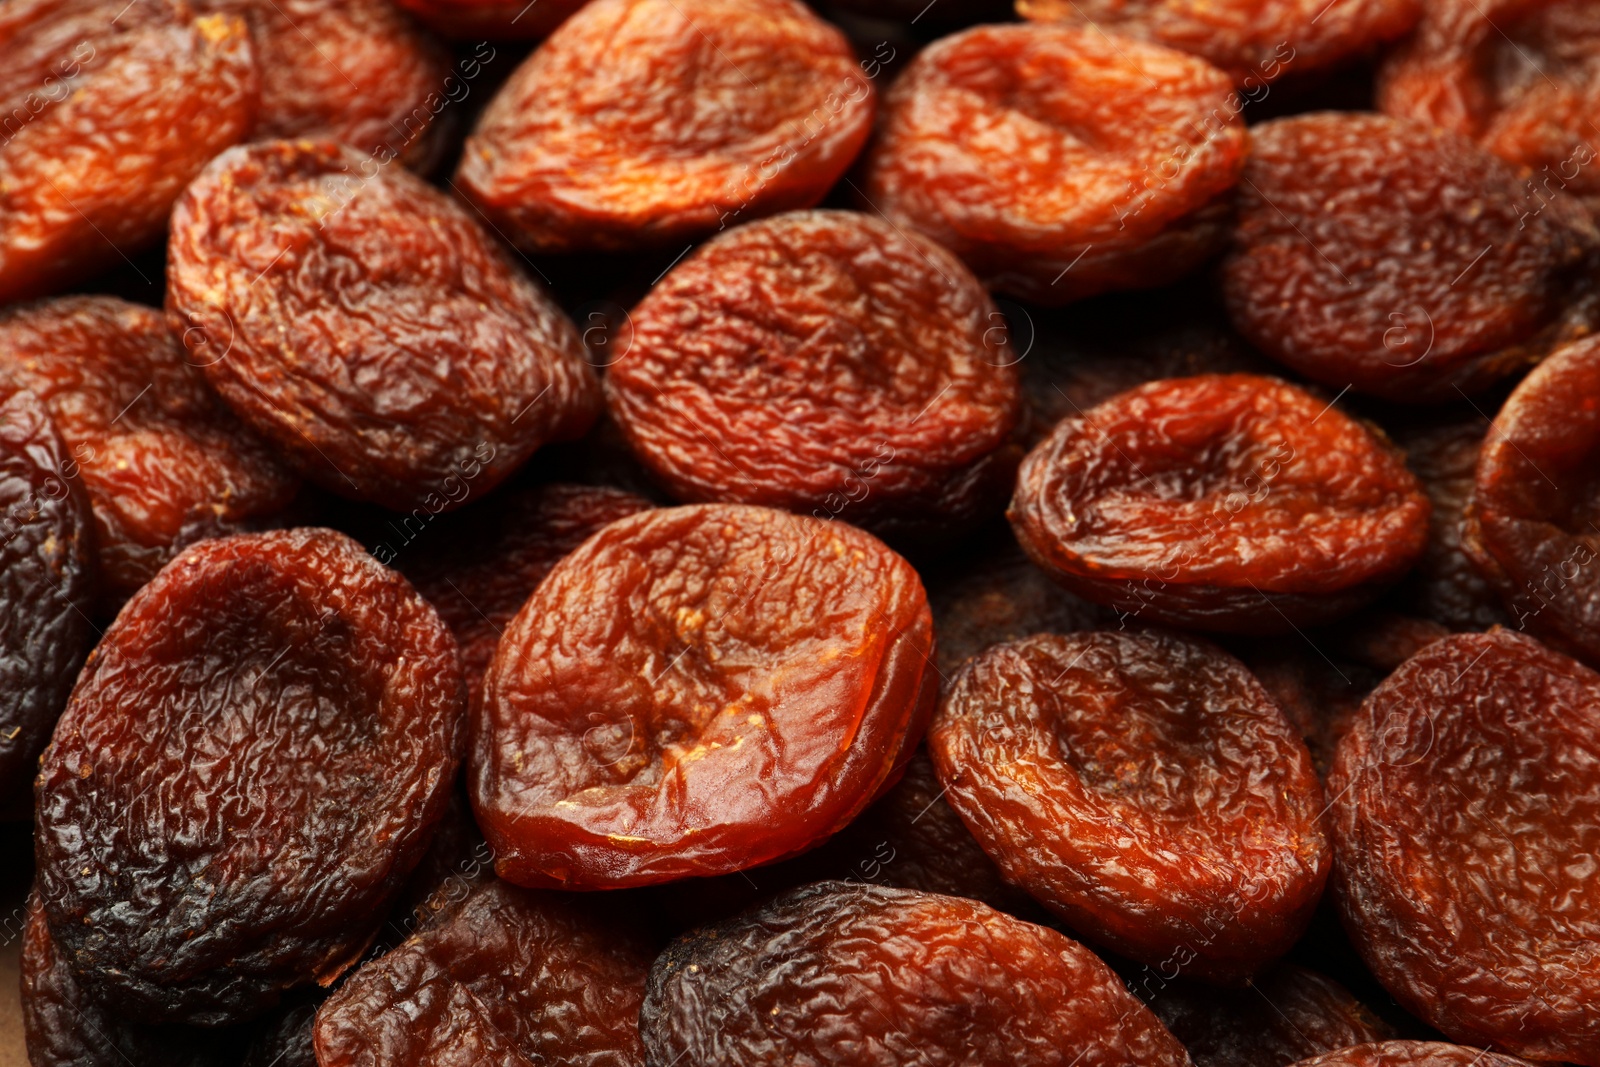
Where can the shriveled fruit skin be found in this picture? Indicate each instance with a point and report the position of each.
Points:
(107, 112)
(697, 690)
(1058, 162)
(248, 769)
(1393, 257)
(164, 462)
(643, 123)
(46, 583)
(1228, 502)
(1146, 788)
(474, 20)
(1411, 1054)
(513, 976)
(1462, 793)
(849, 974)
(1531, 526)
(364, 323)
(827, 363)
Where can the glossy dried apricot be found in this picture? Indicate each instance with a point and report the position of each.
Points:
(1411, 1054)
(826, 363)
(1146, 788)
(1466, 800)
(364, 324)
(1386, 255)
(650, 122)
(696, 690)
(286, 665)
(1224, 501)
(1058, 162)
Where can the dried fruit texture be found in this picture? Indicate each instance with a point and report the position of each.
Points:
(649, 122)
(1224, 501)
(46, 583)
(474, 20)
(165, 464)
(1464, 794)
(1386, 255)
(1145, 787)
(697, 690)
(850, 975)
(287, 665)
(1255, 43)
(1411, 1054)
(106, 112)
(1531, 526)
(827, 363)
(1059, 162)
(514, 976)
(364, 324)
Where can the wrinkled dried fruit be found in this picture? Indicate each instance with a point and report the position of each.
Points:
(1224, 501)
(1531, 526)
(1059, 162)
(1466, 805)
(826, 363)
(285, 665)
(164, 463)
(696, 690)
(107, 110)
(1393, 257)
(650, 122)
(500, 20)
(363, 323)
(1411, 1054)
(513, 976)
(1145, 787)
(849, 975)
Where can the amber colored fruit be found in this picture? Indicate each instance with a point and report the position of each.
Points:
(165, 464)
(106, 112)
(514, 976)
(363, 323)
(826, 363)
(1145, 787)
(1465, 797)
(1386, 255)
(46, 583)
(1531, 526)
(1411, 1054)
(249, 768)
(696, 690)
(653, 122)
(1059, 162)
(848, 974)
(1225, 501)
(474, 20)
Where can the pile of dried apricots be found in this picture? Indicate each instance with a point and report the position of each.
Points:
(734, 533)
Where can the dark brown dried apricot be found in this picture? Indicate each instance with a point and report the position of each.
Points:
(363, 323)
(1466, 801)
(650, 122)
(165, 463)
(249, 768)
(1386, 255)
(499, 20)
(696, 690)
(513, 976)
(857, 976)
(824, 362)
(1059, 162)
(1145, 787)
(1224, 501)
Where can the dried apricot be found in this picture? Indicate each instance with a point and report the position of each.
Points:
(696, 690)
(1224, 501)
(363, 323)
(823, 362)
(1393, 257)
(1411, 1054)
(1059, 162)
(1466, 802)
(165, 464)
(286, 665)
(849, 974)
(650, 122)
(1145, 787)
